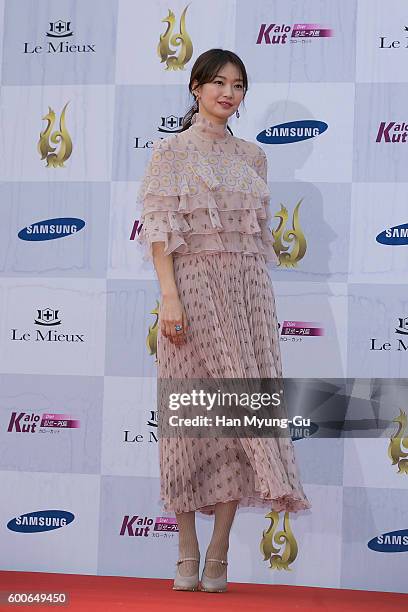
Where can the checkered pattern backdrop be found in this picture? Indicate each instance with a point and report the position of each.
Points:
(84, 94)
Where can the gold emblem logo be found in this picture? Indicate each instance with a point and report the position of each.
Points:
(182, 40)
(269, 538)
(151, 340)
(397, 443)
(61, 138)
(292, 236)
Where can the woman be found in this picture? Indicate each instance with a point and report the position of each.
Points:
(205, 225)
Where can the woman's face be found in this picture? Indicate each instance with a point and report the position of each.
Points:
(220, 98)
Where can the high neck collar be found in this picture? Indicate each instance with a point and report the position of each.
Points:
(207, 130)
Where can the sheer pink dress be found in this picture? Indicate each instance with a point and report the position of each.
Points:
(204, 194)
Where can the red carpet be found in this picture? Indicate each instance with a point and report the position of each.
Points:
(103, 594)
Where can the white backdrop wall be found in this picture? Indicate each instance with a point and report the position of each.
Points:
(78, 435)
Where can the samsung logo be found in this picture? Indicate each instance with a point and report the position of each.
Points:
(394, 236)
(294, 131)
(43, 520)
(394, 541)
(302, 432)
(51, 229)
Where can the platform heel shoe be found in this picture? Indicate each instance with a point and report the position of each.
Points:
(215, 585)
(186, 583)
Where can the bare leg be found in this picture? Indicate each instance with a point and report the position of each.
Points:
(218, 547)
(188, 543)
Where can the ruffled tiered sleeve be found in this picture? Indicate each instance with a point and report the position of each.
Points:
(261, 167)
(159, 196)
(197, 201)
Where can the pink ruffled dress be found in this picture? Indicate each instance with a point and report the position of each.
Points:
(204, 194)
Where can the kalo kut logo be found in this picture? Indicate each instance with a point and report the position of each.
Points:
(392, 132)
(43, 520)
(144, 526)
(293, 131)
(301, 329)
(278, 34)
(25, 422)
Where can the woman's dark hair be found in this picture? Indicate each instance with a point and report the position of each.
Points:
(204, 70)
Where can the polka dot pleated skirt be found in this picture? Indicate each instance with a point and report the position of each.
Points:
(232, 333)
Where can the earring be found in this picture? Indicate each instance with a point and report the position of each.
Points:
(237, 114)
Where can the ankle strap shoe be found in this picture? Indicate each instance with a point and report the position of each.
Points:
(186, 583)
(214, 585)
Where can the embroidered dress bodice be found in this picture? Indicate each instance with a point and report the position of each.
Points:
(205, 191)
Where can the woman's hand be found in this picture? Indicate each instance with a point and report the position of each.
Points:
(171, 314)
